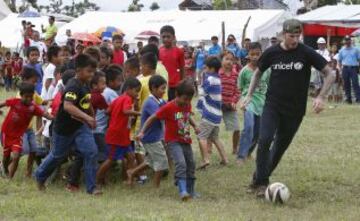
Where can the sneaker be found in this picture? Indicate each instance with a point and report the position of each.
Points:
(260, 191)
(96, 192)
(72, 188)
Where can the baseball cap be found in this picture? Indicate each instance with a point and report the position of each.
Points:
(321, 40)
(347, 38)
(292, 26)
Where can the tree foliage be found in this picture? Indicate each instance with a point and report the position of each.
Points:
(222, 4)
(154, 6)
(135, 6)
(74, 10)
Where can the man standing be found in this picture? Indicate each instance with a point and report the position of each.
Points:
(321, 42)
(285, 105)
(215, 49)
(317, 76)
(50, 31)
(349, 57)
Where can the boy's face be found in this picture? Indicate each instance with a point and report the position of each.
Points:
(131, 72)
(36, 36)
(104, 60)
(183, 100)
(254, 55)
(101, 85)
(116, 84)
(32, 80)
(167, 39)
(145, 69)
(27, 98)
(228, 61)
(34, 57)
(59, 59)
(209, 69)
(8, 56)
(66, 56)
(214, 41)
(159, 92)
(86, 74)
(134, 92)
(118, 43)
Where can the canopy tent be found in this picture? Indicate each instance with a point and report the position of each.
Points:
(4, 10)
(337, 20)
(11, 29)
(189, 25)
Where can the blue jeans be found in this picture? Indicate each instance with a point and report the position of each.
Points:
(350, 76)
(85, 145)
(183, 157)
(249, 135)
(8, 82)
(29, 142)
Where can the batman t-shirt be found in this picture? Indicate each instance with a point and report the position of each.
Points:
(77, 93)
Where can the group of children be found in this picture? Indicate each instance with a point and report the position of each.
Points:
(100, 113)
(10, 68)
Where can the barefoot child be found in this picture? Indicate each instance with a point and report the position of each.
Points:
(230, 97)
(209, 105)
(252, 113)
(117, 136)
(15, 124)
(177, 117)
(152, 140)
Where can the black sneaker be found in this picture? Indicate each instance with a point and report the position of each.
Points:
(260, 191)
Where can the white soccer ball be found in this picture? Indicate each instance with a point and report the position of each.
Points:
(277, 193)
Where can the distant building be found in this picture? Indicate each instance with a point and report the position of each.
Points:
(196, 5)
(261, 4)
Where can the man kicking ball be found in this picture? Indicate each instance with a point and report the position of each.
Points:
(285, 106)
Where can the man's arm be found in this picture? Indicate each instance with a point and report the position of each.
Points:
(77, 114)
(253, 84)
(48, 116)
(329, 78)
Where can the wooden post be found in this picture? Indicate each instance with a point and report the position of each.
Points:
(223, 35)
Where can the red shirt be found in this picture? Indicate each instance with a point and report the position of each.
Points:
(189, 71)
(17, 66)
(177, 122)
(118, 132)
(98, 101)
(118, 57)
(8, 67)
(229, 91)
(55, 104)
(19, 116)
(173, 60)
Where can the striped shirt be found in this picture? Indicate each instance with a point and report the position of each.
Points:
(209, 103)
(229, 91)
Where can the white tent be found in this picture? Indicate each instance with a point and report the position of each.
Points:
(335, 15)
(10, 27)
(189, 25)
(4, 10)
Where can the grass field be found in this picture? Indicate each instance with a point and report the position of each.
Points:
(321, 168)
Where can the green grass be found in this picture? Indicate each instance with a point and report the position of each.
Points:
(321, 168)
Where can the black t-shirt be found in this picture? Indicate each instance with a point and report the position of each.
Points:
(290, 77)
(79, 94)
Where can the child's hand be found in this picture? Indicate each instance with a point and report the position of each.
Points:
(233, 106)
(245, 103)
(91, 122)
(139, 136)
(197, 130)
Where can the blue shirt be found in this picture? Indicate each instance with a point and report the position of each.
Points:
(200, 59)
(101, 116)
(243, 53)
(210, 100)
(156, 131)
(234, 48)
(349, 56)
(215, 50)
(39, 71)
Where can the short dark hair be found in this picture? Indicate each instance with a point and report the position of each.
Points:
(66, 48)
(150, 48)
(185, 87)
(107, 52)
(7, 53)
(52, 17)
(67, 75)
(53, 51)
(167, 28)
(149, 59)
(112, 73)
(16, 54)
(247, 39)
(31, 49)
(156, 81)
(214, 38)
(85, 60)
(213, 62)
(26, 88)
(131, 83)
(28, 73)
(96, 78)
(94, 52)
(133, 62)
(255, 45)
(117, 37)
(153, 39)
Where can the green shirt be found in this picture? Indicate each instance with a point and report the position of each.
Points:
(50, 31)
(258, 99)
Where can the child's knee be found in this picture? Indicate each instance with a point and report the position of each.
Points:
(15, 156)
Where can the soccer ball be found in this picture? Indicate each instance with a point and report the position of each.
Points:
(277, 193)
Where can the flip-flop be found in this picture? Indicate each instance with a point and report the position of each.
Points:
(203, 166)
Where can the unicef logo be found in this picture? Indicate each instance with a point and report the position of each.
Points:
(298, 66)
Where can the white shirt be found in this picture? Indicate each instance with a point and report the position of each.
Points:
(41, 46)
(325, 53)
(49, 73)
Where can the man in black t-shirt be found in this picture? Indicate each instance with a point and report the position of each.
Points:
(73, 125)
(286, 98)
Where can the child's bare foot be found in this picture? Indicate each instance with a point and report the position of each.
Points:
(72, 188)
(41, 186)
(203, 166)
(224, 162)
(240, 162)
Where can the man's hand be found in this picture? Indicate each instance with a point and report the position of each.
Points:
(91, 122)
(245, 102)
(318, 104)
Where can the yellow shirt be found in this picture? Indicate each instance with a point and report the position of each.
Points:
(50, 31)
(161, 70)
(38, 101)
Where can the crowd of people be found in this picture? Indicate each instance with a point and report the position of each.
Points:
(94, 105)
